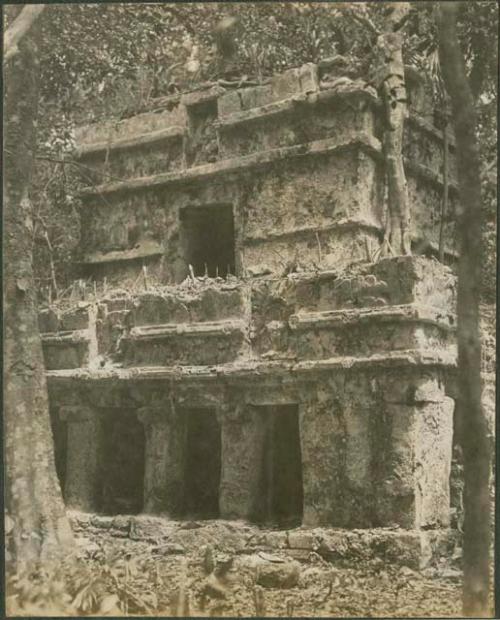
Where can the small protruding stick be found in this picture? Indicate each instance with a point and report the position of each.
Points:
(320, 258)
(259, 602)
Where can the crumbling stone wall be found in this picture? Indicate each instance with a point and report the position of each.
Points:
(298, 159)
(364, 349)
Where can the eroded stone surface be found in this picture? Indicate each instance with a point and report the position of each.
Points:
(307, 323)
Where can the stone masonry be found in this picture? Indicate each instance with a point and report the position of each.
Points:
(269, 362)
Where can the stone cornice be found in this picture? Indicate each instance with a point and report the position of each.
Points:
(398, 359)
(239, 164)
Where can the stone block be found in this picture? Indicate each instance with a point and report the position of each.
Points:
(276, 540)
(295, 81)
(397, 547)
(309, 78)
(281, 575)
(302, 540)
(229, 103)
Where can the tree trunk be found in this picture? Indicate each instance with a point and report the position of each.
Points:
(37, 526)
(391, 85)
(476, 451)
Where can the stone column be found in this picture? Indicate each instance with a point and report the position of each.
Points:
(164, 461)
(323, 455)
(414, 491)
(82, 487)
(241, 459)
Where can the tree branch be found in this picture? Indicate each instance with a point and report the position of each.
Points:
(19, 28)
(362, 18)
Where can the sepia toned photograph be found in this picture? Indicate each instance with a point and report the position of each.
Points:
(249, 284)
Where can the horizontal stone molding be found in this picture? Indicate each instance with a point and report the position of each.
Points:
(433, 178)
(130, 142)
(350, 224)
(206, 328)
(291, 105)
(276, 108)
(202, 96)
(96, 258)
(201, 173)
(400, 313)
(65, 337)
(253, 368)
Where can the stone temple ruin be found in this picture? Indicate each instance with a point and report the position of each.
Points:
(253, 357)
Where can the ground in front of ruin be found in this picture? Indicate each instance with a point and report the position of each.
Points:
(221, 568)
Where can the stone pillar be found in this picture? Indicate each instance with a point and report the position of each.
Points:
(415, 491)
(242, 439)
(164, 459)
(323, 444)
(82, 487)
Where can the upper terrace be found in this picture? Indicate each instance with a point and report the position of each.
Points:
(284, 176)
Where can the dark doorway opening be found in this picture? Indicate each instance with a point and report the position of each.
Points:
(202, 464)
(60, 437)
(280, 501)
(123, 463)
(208, 234)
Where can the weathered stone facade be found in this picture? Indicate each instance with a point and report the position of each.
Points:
(306, 341)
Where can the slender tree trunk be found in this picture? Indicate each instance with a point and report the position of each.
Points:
(37, 526)
(476, 546)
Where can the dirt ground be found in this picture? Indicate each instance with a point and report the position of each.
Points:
(205, 570)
